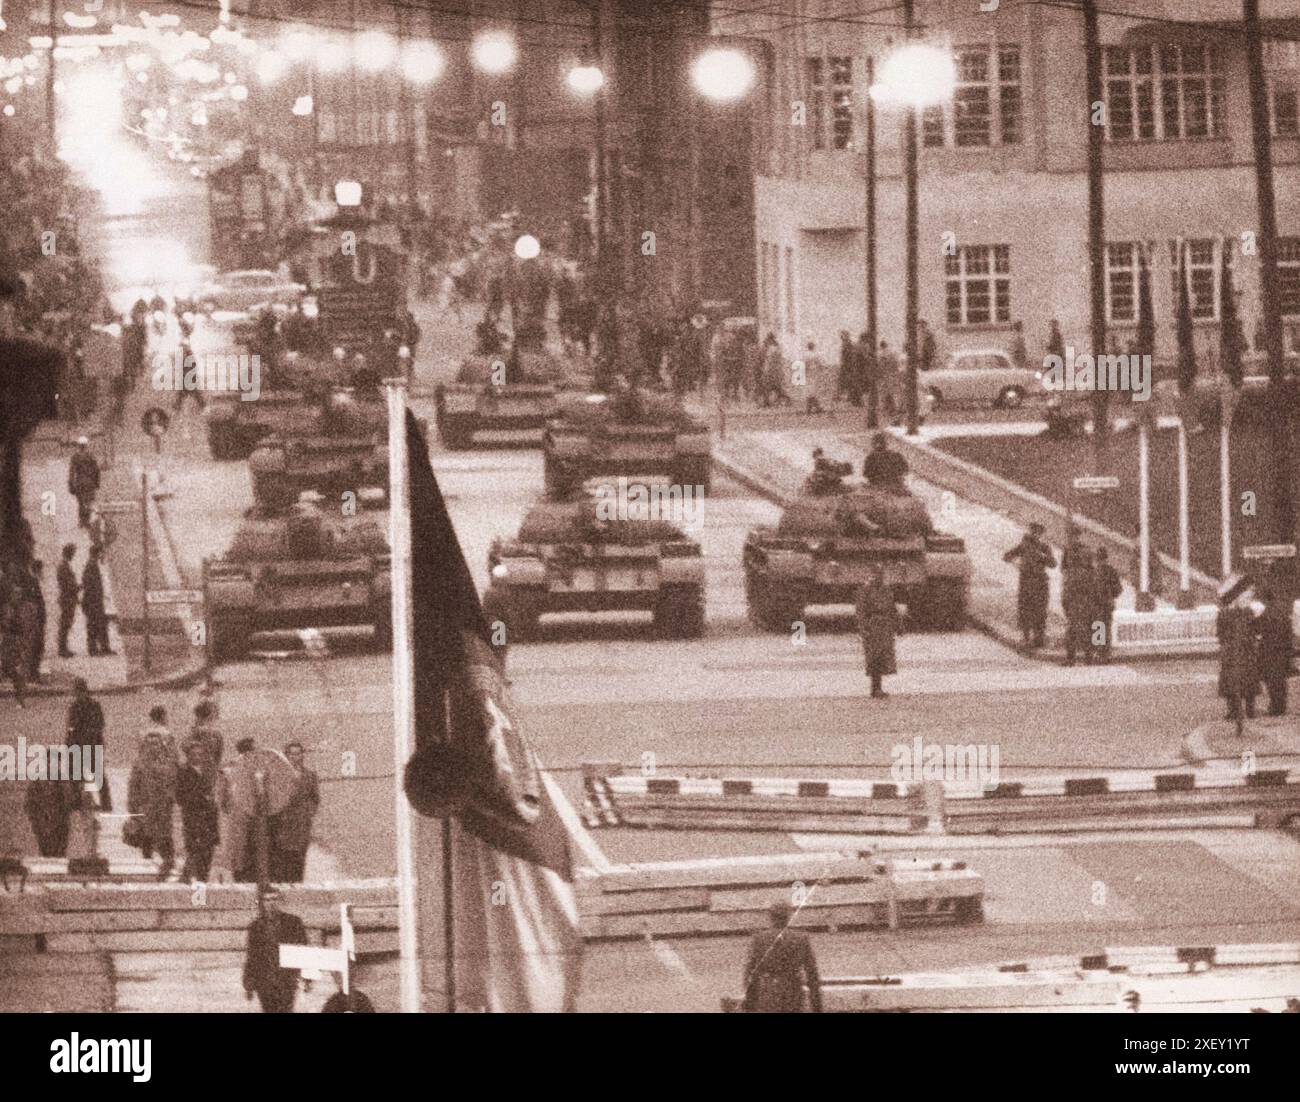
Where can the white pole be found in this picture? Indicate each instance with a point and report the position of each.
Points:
(1184, 533)
(399, 534)
(1144, 600)
(1225, 488)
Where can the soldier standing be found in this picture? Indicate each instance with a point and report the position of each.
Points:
(877, 619)
(275, 987)
(1274, 643)
(1109, 588)
(207, 743)
(40, 618)
(1238, 667)
(151, 793)
(83, 480)
(92, 604)
(198, 814)
(883, 468)
(1034, 559)
(69, 594)
(291, 829)
(1078, 598)
(781, 970)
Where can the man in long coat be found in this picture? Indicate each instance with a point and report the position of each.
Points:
(781, 970)
(877, 618)
(151, 791)
(1274, 643)
(1034, 559)
(1078, 599)
(1238, 662)
(291, 829)
(275, 987)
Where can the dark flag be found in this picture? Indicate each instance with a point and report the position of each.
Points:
(516, 943)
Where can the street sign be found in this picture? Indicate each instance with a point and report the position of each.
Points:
(1269, 551)
(1096, 482)
(312, 958)
(107, 508)
(174, 596)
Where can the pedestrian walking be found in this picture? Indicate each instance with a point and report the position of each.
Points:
(92, 604)
(83, 480)
(1078, 600)
(1108, 589)
(1055, 343)
(241, 849)
(276, 988)
(1019, 353)
(1274, 645)
(47, 804)
(815, 381)
(1033, 559)
(781, 969)
(199, 831)
(205, 739)
(291, 829)
(69, 595)
(1238, 661)
(888, 383)
(772, 380)
(85, 730)
(877, 618)
(39, 620)
(926, 349)
(151, 792)
(846, 377)
(864, 377)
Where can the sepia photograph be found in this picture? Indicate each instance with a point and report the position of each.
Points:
(650, 507)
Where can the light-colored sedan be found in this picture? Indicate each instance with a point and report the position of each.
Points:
(239, 291)
(979, 376)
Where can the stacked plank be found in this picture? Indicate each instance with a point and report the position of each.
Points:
(732, 895)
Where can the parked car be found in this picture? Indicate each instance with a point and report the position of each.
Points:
(240, 291)
(980, 376)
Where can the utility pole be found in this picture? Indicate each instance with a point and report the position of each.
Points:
(912, 171)
(1096, 214)
(868, 365)
(408, 124)
(1267, 240)
(600, 204)
(51, 108)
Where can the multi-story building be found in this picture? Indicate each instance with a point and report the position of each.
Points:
(1003, 187)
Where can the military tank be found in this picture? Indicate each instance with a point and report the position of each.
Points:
(492, 391)
(568, 557)
(629, 432)
(833, 534)
(297, 568)
(346, 450)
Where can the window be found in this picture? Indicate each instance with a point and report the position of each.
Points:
(1164, 93)
(1288, 274)
(979, 285)
(1121, 282)
(986, 104)
(1201, 258)
(830, 101)
(789, 289)
(1284, 100)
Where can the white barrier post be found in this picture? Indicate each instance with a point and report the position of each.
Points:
(1184, 531)
(1145, 602)
(1225, 482)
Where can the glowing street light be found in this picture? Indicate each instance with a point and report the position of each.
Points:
(586, 80)
(347, 193)
(331, 55)
(527, 247)
(422, 62)
(298, 45)
(494, 52)
(303, 106)
(723, 74)
(238, 93)
(271, 66)
(375, 51)
(916, 75)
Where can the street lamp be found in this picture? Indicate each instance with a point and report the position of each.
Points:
(494, 52)
(422, 62)
(723, 74)
(375, 51)
(916, 75)
(586, 80)
(527, 247)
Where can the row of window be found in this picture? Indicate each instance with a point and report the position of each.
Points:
(1152, 93)
(977, 281)
(368, 127)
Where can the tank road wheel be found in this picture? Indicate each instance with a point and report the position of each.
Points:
(457, 434)
(695, 471)
(228, 637)
(559, 477)
(679, 612)
(519, 615)
(770, 611)
(940, 605)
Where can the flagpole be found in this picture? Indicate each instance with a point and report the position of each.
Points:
(399, 534)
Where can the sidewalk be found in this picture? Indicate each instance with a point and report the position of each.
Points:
(774, 465)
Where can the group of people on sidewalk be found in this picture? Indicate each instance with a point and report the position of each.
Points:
(1254, 630)
(1090, 586)
(23, 605)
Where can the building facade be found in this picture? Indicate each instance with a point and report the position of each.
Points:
(1003, 188)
